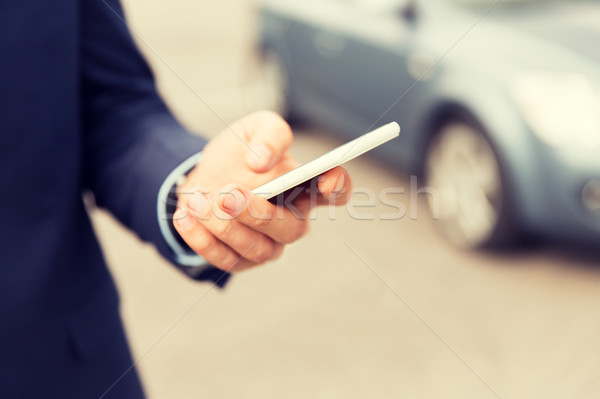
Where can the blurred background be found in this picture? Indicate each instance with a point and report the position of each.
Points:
(500, 112)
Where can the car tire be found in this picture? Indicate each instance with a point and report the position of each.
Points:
(470, 199)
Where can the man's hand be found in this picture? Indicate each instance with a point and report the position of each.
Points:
(220, 218)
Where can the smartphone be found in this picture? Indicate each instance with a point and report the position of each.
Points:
(299, 177)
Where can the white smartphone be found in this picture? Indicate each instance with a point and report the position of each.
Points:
(330, 160)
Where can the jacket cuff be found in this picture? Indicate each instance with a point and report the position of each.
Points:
(190, 263)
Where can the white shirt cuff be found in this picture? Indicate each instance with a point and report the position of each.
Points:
(183, 256)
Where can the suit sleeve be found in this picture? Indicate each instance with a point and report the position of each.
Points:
(132, 143)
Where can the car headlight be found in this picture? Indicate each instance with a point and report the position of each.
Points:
(563, 110)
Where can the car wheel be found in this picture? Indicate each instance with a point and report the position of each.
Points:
(275, 83)
(469, 200)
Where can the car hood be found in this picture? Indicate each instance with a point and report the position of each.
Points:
(571, 25)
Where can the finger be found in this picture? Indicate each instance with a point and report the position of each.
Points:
(279, 223)
(212, 250)
(269, 138)
(202, 242)
(335, 187)
(253, 245)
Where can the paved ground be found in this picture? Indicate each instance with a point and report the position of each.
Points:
(378, 309)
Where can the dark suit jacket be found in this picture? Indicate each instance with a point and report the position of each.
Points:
(78, 111)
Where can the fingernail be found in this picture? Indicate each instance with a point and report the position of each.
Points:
(234, 203)
(339, 187)
(199, 204)
(259, 157)
(183, 220)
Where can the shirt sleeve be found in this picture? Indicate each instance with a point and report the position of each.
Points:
(132, 143)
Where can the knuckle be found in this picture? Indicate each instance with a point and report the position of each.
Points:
(261, 216)
(276, 119)
(223, 229)
(263, 252)
(228, 263)
(225, 264)
(262, 221)
(205, 243)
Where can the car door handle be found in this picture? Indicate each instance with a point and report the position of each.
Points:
(329, 44)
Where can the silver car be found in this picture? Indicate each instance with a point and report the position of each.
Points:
(499, 102)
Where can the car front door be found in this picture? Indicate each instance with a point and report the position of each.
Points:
(355, 56)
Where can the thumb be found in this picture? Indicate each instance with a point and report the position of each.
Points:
(269, 138)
